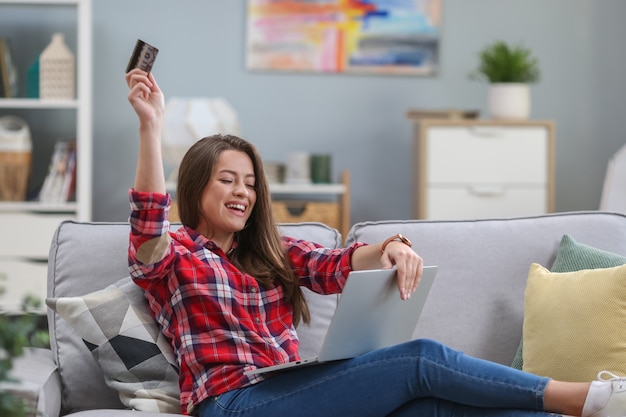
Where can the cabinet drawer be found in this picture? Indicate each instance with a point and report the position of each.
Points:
(22, 278)
(28, 234)
(307, 211)
(482, 154)
(495, 201)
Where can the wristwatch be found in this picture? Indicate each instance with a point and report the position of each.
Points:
(398, 237)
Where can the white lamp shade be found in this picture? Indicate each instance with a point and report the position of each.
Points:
(186, 120)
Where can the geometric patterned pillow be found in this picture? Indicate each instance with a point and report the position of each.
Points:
(575, 256)
(136, 359)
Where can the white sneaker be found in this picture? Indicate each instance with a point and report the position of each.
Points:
(616, 406)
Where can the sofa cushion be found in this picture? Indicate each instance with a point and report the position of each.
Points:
(136, 359)
(314, 232)
(574, 256)
(574, 323)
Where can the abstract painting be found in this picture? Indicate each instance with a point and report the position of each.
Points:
(344, 36)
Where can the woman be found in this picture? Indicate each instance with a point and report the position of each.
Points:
(225, 289)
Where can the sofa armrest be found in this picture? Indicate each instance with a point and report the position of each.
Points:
(37, 382)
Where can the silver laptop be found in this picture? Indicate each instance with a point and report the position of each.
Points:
(370, 315)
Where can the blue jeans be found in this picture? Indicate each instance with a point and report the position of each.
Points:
(417, 378)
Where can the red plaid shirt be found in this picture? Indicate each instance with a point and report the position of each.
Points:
(220, 321)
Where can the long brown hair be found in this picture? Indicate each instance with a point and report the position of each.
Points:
(259, 251)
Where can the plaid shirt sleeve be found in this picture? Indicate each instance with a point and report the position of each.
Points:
(149, 238)
(322, 270)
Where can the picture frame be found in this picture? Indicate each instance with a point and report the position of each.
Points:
(374, 37)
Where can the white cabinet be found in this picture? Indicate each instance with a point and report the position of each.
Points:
(27, 226)
(466, 169)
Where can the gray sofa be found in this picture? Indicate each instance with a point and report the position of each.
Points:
(475, 305)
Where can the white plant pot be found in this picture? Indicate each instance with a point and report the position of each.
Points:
(509, 101)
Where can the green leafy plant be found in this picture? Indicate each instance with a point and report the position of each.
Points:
(16, 333)
(503, 63)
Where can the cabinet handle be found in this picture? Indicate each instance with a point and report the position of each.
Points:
(487, 190)
(487, 132)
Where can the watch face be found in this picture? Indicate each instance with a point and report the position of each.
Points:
(404, 240)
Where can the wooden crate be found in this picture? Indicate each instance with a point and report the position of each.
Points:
(295, 211)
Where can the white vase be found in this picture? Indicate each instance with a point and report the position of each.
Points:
(56, 70)
(509, 101)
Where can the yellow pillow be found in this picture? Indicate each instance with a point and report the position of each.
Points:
(575, 323)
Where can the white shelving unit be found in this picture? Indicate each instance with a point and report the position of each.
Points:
(28, 226)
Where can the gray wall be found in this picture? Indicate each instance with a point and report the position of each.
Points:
(361, 120)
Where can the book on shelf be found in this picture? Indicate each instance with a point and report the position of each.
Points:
(59, 186)
(8, 72)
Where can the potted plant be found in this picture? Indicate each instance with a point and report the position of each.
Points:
(16, 333)
(509, 69)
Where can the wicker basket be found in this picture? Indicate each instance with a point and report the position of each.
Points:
(15, 158)
(14, 172)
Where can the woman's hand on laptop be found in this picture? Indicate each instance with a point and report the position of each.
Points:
(394, 251)
(408, 264)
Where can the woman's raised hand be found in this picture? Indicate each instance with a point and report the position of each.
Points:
(145, 96)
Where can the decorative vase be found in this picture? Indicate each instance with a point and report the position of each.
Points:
(509, 101)
(56, 70)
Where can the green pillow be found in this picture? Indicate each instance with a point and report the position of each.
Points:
(574, 256)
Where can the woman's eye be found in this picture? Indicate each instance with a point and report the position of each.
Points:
(226, 180)
(251, 186)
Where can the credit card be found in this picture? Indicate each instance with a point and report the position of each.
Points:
(143, 56)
